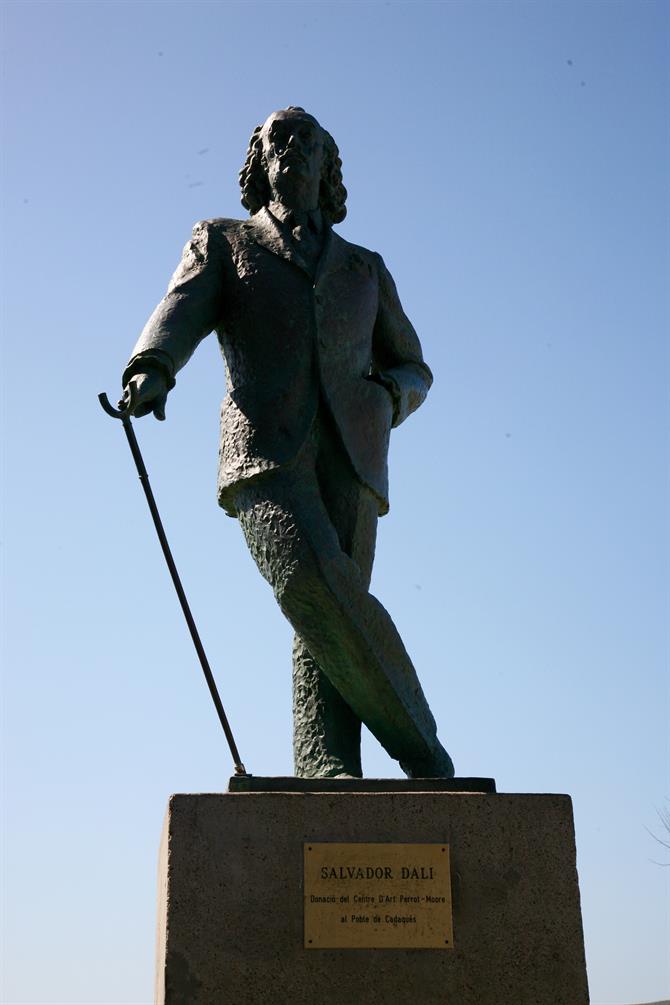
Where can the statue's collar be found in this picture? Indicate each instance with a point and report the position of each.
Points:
(297, 217)
(273, 236)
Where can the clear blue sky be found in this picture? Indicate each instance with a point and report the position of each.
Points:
(510, 161)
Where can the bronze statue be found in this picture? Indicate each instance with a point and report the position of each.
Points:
(321, 361)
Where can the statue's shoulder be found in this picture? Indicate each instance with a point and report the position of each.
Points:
(221, 226)
(358, 253)
(220, 234)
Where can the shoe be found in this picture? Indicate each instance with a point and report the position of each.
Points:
(440, 765)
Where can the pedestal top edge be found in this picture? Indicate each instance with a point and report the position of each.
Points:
(259, 783)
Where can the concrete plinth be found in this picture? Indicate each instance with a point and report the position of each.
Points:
(230, 927)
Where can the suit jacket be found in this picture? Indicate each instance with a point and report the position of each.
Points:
(290, 337)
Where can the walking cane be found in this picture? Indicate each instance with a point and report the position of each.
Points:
(124, 415)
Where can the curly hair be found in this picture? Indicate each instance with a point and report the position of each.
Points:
(256, 189)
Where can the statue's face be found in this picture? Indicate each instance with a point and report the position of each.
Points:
(293, 153)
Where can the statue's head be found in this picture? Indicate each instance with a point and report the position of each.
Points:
(292, 159)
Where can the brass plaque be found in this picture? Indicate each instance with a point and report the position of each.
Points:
(377, 896)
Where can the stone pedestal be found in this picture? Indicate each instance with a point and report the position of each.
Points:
(231, 910)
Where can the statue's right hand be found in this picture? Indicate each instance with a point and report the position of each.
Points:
(144, 393)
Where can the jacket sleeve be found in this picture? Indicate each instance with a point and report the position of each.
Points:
(190, 309)
(397, 358)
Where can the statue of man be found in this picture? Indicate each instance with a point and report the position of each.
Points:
(321, 362)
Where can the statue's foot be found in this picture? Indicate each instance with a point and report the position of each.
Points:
(336, 771)
(439, 765)
(331, 768)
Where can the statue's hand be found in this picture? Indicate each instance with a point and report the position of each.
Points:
(144, 393)
(390, 385)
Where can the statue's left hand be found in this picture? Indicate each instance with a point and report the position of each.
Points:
(390, 385)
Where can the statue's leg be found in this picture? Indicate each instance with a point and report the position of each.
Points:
(326, 731)
(324, 595)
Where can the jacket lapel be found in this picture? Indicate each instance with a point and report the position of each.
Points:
(333, 256)
(269, 235)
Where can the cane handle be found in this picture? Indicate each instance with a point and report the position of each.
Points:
(116, 413)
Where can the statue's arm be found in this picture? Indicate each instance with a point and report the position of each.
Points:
(398, 361)
(190, 309)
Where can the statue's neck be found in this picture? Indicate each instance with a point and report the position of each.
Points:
(282, 211)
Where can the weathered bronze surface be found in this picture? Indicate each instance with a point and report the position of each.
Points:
(321, 362)
(377, 896)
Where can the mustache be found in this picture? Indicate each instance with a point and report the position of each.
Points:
(292, 155)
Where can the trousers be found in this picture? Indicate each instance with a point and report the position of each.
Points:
(311, 528)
